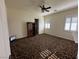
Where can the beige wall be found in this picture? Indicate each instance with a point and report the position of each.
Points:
(4, 35)
(17, 21)
(57, 22)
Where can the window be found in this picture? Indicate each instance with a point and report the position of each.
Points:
(47, 25)
(71, 24)
(67, 24)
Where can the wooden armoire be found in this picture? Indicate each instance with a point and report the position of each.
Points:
(32, 28)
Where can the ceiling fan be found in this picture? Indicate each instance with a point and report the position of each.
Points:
(43, 8)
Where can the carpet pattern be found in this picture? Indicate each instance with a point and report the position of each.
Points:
(30, 48)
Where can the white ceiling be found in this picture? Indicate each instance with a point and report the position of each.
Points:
(34, 4)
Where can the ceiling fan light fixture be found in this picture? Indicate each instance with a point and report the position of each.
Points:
(43, 8)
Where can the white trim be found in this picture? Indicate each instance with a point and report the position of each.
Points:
(4, 35)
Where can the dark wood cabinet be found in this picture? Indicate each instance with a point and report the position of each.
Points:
(36, 26)
(32, 28)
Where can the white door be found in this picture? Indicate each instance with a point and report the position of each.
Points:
(4, 37)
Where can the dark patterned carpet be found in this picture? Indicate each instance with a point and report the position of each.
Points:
(30, 48)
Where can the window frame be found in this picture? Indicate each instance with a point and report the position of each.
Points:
(70, 24)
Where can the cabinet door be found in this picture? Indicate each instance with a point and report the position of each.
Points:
(30, 29)
(36, 26)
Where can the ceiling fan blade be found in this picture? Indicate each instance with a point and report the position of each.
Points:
(40, 6)
(46, 10)
(48, 7)
(43, 6)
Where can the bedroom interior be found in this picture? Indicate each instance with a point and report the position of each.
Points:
(43, 29)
